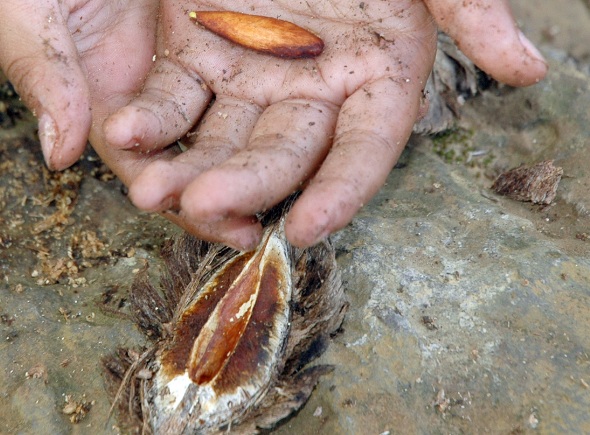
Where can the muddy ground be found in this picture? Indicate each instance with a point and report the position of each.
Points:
(470, 312)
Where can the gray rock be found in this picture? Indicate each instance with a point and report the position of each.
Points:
(469, 312)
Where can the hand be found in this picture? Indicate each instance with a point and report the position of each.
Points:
(334, 125)
(66, 56)
(341, 119)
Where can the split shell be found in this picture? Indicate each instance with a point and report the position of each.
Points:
(237, 351)
(263, 377)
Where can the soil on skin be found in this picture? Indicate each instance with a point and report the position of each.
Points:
(70, 244)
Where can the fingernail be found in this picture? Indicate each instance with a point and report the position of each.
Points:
(530, 48)
(47, 137)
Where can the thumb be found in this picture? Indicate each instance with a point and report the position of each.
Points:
(39, 57)
(486, 32)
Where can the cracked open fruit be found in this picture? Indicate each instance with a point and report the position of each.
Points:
(233, 335)
(264, 34)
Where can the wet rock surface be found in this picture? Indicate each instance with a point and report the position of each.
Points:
(469, 312)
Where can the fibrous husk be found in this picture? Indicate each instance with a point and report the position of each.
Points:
(193, 379)
(453, 80)
(537, 183)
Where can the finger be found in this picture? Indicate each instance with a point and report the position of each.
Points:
(169, 105)
(39, 57)
(287, 145)
(373, 128)
(486, 32)
(226, 128)
(242, 233)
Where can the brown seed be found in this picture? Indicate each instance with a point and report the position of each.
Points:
(259, 295)
(267, 35)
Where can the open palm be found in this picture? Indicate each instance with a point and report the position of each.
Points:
(337, 122)
(332, 126)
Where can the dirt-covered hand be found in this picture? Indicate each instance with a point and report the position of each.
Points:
(332, 126)
(68, 56)
(335, 124)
